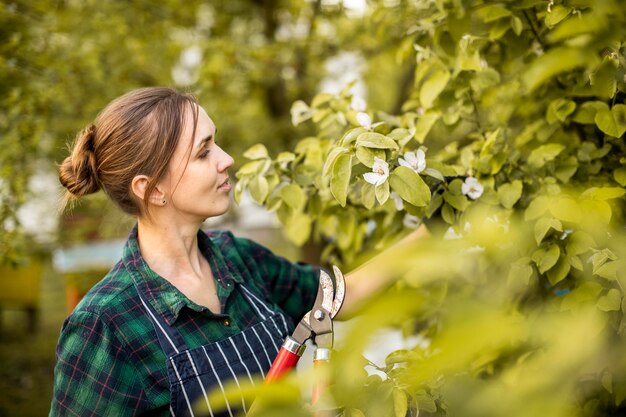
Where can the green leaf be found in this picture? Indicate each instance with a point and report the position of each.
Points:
(612, 122)
(611, 301)
(620, 176)
(240, 186)
(401, 136)
(458, 201)
(431, 172)
(536, 208)
(557, 273)
(566, 168)
(543, 225)
(517, 25)
(259, 189)
(368, 196)
(257, 151)
(382, 192)
(340, 179)
(596, 210)
(565, 209)
(556, 61)
(586, 112)
(603, 193)
(520, 273)
(293, 196)
(587, 291)
(366, 155)
(300, 112)
(599, 258)
(544, 153)
(298, 228)
(585, 23)
(400, 403)
(424, 124)
(557, 14)
(252, 167)
(351, 135)
(284, 158)
(425, 402)
(510, 193)
(321, 98)
(330, 160)
(484, 79)
(575, 262)
(447, 214)
(433, 86)
(354, 412)
(608, 270)
(410, 186)
(579, 242)
(492, 12)
(546, 257)
(559, 110)
(375, 140)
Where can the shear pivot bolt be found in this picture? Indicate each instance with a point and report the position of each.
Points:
(318, 315)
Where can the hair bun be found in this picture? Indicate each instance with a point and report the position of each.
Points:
(79, 173)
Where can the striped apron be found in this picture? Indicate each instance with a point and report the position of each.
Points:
(194, 373)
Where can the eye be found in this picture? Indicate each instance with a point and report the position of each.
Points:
(204, 154)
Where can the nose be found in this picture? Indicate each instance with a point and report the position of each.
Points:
(226, 161)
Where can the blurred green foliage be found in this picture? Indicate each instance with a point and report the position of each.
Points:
(63, 61)
(509, 145)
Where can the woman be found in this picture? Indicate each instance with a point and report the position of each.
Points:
(183, 311)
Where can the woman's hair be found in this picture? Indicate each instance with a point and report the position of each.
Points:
(136, 134)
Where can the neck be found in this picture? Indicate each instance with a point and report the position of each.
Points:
(170, 250)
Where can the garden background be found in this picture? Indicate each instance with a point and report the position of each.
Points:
(497, 124)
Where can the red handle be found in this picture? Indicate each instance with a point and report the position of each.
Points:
(287, 358)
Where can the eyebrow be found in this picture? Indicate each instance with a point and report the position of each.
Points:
(205, 140)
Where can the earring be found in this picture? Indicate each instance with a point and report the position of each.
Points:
(163, 201)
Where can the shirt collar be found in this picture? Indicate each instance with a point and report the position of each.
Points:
(166, 299)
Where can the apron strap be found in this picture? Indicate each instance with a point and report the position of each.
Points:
(170, 339)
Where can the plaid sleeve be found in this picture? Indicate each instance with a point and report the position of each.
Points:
(93, 375)
(292, 286)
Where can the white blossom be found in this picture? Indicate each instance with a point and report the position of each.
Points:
(397, 200)
(358, 104)
(451, 234)
(414, 160)
(472, 188)
(410, 221)
(379, 174)
(364, 120)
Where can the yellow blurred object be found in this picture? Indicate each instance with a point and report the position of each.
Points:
(19, 288)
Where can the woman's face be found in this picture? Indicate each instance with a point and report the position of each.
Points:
(197, 185)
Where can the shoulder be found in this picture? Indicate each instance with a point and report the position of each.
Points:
(108, 296)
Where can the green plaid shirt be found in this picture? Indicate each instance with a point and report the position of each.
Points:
(109, 361)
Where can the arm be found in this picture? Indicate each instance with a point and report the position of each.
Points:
(93, 375)
(376, 274)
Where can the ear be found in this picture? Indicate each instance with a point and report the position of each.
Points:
(139, 186)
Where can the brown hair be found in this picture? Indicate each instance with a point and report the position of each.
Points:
(136, 134)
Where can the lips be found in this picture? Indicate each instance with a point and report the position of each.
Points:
(225, 185)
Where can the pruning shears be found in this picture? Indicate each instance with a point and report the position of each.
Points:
(317, 325)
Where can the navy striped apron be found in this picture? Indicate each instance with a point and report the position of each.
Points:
(194, 373)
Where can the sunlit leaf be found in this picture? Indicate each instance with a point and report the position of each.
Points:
(257, 151)
(611, 301)
(409, 186)
(553, 62)
(510, 193)
(340, 179)
(546, 257)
